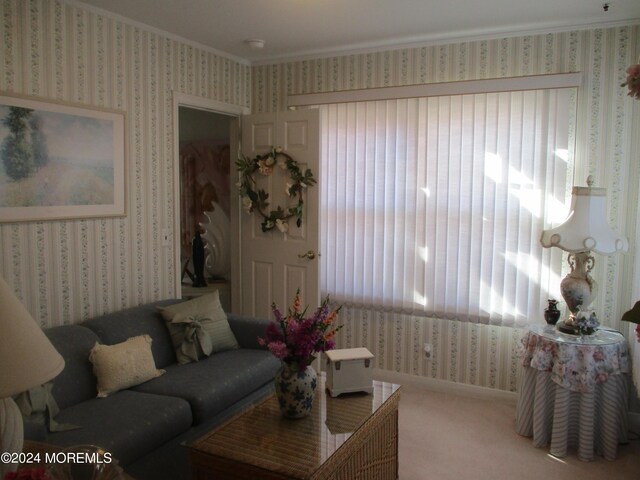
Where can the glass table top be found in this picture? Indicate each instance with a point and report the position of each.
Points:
(600, 337)
(262, 437)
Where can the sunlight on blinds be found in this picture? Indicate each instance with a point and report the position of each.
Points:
(435, 206)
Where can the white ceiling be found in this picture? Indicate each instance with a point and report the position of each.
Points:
(299, 28)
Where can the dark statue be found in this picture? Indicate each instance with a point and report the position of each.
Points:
(198, 260)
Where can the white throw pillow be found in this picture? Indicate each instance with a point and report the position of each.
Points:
(123, 365)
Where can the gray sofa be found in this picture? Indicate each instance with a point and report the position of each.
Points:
(147, 426)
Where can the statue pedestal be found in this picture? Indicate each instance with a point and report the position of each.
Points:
(223, 287)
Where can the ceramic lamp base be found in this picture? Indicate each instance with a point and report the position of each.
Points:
(11, 433)
(578, 289)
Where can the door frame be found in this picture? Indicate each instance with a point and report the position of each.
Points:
(201, 103)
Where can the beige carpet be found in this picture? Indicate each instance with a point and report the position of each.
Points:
(445, 436)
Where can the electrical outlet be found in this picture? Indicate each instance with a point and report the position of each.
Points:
(166, 237)
(428, 350)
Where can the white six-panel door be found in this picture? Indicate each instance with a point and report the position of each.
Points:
(273, 265)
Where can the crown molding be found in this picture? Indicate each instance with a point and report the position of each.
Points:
(419, 41)
(438, 39)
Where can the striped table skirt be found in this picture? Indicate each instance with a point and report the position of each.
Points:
(563, 419)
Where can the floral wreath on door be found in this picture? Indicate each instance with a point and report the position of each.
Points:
(256, 200)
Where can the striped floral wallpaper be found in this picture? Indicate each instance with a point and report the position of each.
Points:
(607, 147)
(66, 271)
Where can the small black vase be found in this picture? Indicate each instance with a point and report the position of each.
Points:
(551, 313)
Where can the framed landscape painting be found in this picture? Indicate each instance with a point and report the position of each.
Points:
(60, 161)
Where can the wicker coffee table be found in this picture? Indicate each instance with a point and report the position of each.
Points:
(351, 437)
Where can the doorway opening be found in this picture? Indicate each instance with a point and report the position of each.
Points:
(204, 144)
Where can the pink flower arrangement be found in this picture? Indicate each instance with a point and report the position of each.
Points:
(295, 339)
(633, 81)
(36, 473)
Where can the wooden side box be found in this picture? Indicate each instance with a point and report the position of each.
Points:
(349, 370)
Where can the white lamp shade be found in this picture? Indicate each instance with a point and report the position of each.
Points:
(27, 357)
(586, 227)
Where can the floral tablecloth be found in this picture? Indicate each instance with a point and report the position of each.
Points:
(576, 363)
(573, 392)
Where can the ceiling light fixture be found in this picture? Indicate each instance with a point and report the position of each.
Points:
(255, 43)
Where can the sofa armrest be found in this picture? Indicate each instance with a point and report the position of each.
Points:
(247, 329)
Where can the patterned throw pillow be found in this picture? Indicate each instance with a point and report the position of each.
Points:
(198, 328)
(123, 365)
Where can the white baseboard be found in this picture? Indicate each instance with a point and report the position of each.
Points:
(444, 386)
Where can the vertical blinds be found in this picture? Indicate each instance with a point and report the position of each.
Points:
(435, 206)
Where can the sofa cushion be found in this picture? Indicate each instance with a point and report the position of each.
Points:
(123, 365)
(127, 424)
(213, 384)
(76, 382)
(117, 327)
(247, 330)
(198, 328)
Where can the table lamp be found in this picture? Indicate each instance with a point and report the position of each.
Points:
(584, 231)
(27, 359)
